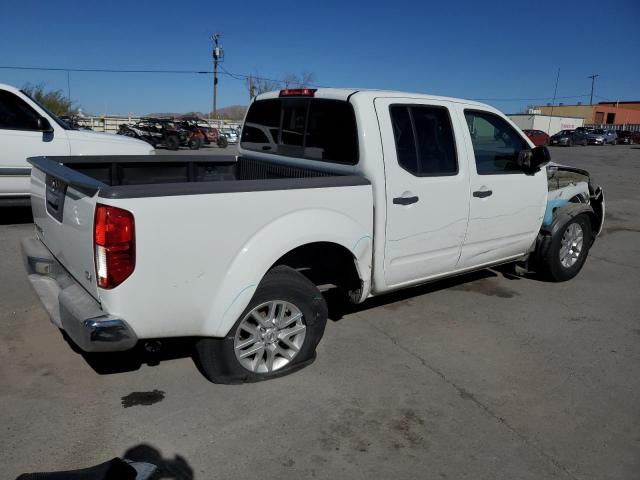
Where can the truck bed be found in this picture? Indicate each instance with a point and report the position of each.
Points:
(149, 176)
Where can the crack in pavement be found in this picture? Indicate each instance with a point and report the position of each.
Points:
(465, 394)
(613, 262)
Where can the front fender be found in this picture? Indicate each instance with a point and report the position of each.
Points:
(272, 241)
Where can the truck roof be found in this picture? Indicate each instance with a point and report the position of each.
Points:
(347, 93)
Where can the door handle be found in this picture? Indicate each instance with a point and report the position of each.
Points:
(482, 193)
(405, 200)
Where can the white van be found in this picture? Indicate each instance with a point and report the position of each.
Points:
(28, 129)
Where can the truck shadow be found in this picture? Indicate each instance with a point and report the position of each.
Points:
(339, 306)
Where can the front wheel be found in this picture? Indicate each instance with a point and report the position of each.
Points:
(567, 251)
(223, 142)
(277, 333)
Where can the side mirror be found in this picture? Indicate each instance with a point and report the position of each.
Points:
(530, 161)
(43, 125)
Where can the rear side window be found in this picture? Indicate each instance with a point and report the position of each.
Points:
(425, 144)
(15, 114)
(316, 129)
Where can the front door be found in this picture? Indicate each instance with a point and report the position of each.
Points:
(427, 188)
(507, 205)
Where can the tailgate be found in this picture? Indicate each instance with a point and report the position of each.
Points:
(63, 204)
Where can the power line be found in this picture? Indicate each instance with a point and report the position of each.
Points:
(103, 70)
(238, 76)
(526, 99)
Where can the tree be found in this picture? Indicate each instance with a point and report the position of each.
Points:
(53, 100)
(257, 84)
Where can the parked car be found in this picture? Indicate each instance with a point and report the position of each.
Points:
(73, 121)
(598, 136)
(350, 207)
(28, 129)
(625, 137)
(569, 138)
(232, 135)
(538, 137)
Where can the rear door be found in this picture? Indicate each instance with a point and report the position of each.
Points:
(21, 139)
(507, 205)
(427, 188)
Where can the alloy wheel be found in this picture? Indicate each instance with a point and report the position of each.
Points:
(270, 336)
(571, 245)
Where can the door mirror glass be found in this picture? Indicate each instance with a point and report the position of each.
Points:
(43, 125)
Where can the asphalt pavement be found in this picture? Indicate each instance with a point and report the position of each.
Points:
(485, 376)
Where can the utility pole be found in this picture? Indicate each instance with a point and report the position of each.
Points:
(593, 81)
(555, 92)
(218, 56)
(251, 88)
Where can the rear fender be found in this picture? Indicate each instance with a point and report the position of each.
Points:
(274, 240)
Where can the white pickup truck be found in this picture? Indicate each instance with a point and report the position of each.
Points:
(28, 129)
(364, 191)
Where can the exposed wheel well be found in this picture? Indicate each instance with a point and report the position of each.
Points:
(325, 263)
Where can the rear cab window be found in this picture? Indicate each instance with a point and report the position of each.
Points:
(425, 145)
(312, 128)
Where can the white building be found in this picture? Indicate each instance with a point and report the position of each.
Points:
(548, 124)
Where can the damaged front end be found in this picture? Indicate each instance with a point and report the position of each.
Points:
(572, 193)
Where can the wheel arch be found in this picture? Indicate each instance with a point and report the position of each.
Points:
(317, 232)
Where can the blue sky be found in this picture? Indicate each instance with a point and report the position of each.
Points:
(469, 49)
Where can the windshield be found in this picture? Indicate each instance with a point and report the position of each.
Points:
(53, 116)
(564, 132)
(598, 131)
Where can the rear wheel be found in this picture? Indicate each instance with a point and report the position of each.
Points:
(584, 142)
(194, 143)
(567, 251)
(277, 333)
(570, 143)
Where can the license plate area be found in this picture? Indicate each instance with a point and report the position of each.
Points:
(54, 196)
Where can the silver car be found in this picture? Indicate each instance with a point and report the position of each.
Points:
(598, 136)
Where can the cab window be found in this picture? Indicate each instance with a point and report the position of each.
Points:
(15, 114)
(496, 144)
(313, 128)
(425, 145)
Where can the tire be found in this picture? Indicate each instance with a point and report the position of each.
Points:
(172, 142)
(194, 144)
(550, 265)
(584, 142)
(285, 290)
(223, 142)
(570, 143)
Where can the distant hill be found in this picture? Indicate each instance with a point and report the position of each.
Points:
(232, 112)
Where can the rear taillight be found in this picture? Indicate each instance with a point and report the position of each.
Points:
(114, 239)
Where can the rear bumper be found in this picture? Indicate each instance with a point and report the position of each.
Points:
(70, 307)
